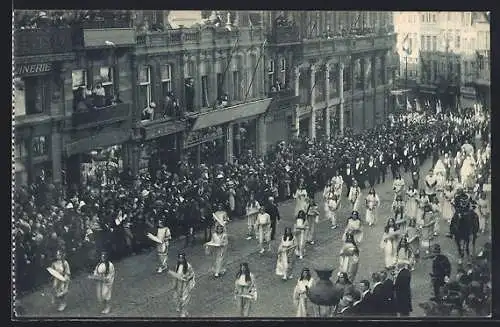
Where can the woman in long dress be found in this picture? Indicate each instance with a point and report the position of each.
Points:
(411, 202)
(355, 196)
(422, 202)
(219, 237)
(300, 293)
(332, 205)
(349, 257)
(372, 202)
(312, 220)
(398, 186)
(183, 285)
(164, 236)
(344, 283)
(389, 243)
(264, 229)
(354, 228)
(440, 174)
(286, 250)
(60, 288)
(413, 237)
(104, 274)
(300, 197)
(404, 253)
(245, 290)
(300, 230)
(252, 209)
(447, 209)
(427, 227)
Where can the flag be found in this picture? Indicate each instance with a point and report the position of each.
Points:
(408, 104)
(417, 105)
(406, 45)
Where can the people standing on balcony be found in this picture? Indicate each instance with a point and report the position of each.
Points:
(148, 112)
(99, 94)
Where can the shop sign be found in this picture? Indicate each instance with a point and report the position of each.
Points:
(32, 69)
(204, 135)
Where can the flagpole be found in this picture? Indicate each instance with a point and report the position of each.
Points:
(255, 70)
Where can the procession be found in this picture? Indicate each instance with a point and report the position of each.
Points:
(449, 199)
(251, 163)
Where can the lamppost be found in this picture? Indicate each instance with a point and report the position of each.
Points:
(323, 294)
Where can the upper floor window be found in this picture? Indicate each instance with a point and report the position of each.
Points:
(422, 42)
(20, 151)
(145, 96)
(283, 72)
(166, 79)
(434, 43)
(40, 146)
(31, 95)
(270, 73)
(107, 80)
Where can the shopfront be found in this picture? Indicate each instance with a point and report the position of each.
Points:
(205, 146)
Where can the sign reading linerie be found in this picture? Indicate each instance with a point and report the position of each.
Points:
(33, 69)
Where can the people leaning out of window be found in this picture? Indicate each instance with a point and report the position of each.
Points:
(87, 98)
(223, 101)
(148, 112)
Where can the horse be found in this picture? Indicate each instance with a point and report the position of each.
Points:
(464, 225)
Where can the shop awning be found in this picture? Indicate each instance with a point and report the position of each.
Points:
(159, 128)
(225, 115)
(99, 140)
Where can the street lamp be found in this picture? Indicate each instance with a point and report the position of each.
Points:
(323, 294)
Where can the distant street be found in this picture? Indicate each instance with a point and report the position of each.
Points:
(140, 292)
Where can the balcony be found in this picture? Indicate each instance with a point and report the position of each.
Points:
(282, 100)
(285, 35)
(101, 116)
(34, 42)
(169, 38)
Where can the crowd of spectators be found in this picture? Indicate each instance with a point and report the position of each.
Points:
(116, 213)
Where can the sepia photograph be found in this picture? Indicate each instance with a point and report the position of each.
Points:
(265, 164)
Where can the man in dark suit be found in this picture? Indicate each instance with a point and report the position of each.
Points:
(395, 163)
(382, 165)
(348, 175)
(377, 296)
(415, 172)
(388, 294)
(372, 169)
(273, 212)
(358, 173)
(364, 305)
(402, 291)
(441, 270)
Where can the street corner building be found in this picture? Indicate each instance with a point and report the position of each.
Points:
(139, 89)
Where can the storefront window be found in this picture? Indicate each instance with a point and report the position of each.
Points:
(40, 146)
(31, 95)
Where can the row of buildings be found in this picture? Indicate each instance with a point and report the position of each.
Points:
(253, 79)
(445, 55)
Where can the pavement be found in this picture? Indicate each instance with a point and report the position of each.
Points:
(140, 292)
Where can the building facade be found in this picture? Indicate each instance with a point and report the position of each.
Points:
(445, 55)
(212, 93)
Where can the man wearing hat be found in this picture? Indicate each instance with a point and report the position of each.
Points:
(273, 211)
(402, 290)
(441, 270)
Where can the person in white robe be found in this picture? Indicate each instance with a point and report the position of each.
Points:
(286, 251)
(354, 227)
(448, 164)
(440, 175)
(447, 209)
(411, 202)
(372, 203)
(484, 212)
(427, 228)
(312, 221)
(413, 237)
(220, 241)
(164, 236)
(231, 196)
(245, 290)
(389, 243)
(467, 172)
(332, 205)
(252, 209)
(422, 201)
(60, 288)
(355, 196)
(328, 189)
(184, 285)
(264, 230)
(338, 184)
(349, 257)
(104, 275)
(300, 196)
(436, 211)
(398, 186)
(404, 254)
(300, 298)
(221, 217)
(301, 228)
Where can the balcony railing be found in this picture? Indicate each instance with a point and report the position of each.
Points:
(107, 23)
(50, 40)
(102, 115)
(285, 34)
(167, 38)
